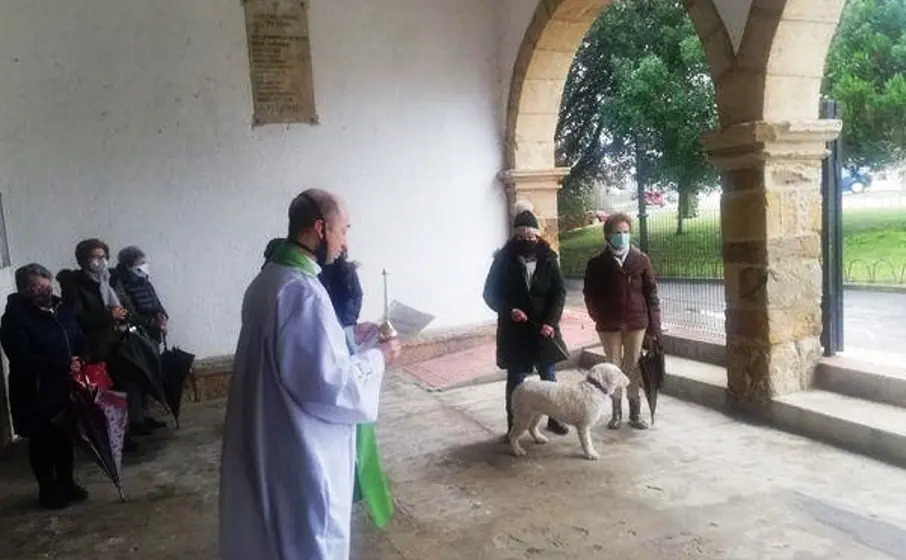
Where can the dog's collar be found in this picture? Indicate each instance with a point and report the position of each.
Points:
(598, 385)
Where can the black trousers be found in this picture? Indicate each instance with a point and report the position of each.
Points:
(51, 455)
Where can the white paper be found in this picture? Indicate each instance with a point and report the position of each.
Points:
(407, 321)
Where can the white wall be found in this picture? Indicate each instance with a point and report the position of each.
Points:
(131, 121)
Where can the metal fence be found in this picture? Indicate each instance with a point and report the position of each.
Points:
(687, 258)
(874, 235)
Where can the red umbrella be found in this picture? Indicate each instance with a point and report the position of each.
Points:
(96, 420)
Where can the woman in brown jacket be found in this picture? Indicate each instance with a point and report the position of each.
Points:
(621, 297)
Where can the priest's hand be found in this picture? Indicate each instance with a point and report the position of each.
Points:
(391, 350)
(365, 332)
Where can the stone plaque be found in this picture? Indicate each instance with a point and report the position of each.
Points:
(280, 62)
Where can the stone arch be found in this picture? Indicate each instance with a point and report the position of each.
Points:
(776, 75)
(539, 74)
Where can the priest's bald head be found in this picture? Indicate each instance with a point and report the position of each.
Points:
(318, 221)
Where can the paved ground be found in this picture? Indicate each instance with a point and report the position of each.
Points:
(697, 486)
(872, 320)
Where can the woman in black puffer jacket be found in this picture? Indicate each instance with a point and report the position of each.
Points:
(44, 344)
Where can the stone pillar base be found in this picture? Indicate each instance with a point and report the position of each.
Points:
(771, 225)
(540, 187)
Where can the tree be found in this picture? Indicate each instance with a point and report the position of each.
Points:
(638, 96)
(866, 71)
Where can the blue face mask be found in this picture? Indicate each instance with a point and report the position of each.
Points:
(619, 241)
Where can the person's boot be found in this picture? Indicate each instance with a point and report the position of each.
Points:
(153, 424)
(556, 427)
(616, 418)
(51, 497)
(635, 415)
(73, 492)
(139, 429)
(129, 445)
(509, 428)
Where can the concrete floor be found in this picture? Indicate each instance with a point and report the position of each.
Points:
(699, 485)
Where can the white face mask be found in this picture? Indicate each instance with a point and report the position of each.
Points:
(97, 265)
(142, 270)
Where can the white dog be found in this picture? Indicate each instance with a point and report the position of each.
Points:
(580, 405)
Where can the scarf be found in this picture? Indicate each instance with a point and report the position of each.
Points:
(370, 481)
(108, 295)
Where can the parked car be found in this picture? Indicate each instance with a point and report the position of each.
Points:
(854, 181)
(652, 197)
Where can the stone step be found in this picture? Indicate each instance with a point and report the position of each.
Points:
(876, 429)
(859, 425)
(873, 382)
(691, 381)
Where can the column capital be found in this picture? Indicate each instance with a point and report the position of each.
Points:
(751, 144)
(534, 179)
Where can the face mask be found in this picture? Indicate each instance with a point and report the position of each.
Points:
(525, 247)
(43, 299)
(97, 265)
(142, 270)
(619, 241)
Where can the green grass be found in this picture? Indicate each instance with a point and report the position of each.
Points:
(874, 246)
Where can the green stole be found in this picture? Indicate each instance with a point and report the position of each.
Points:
(370, 482)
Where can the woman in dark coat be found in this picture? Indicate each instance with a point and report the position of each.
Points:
(132, 283)
(526, 289)
(341, 281)
(103, 319)
(621, 297)
(96, 305)
(44, 345)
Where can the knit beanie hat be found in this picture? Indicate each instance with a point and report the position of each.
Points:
(524, 220)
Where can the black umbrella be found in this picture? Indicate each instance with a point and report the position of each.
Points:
(652, 366)
(140, 357)
(176, 364)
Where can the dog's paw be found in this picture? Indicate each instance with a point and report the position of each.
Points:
(592, 455)
(541, 439)
(518, 452)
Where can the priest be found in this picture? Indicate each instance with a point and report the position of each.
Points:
(296, 396)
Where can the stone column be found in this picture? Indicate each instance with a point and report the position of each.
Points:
(540, 187)
(771, 222)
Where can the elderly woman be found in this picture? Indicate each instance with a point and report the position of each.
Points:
(102, 318)
(131, 280)
(44, 345)
(341, 280)
(88, 292)
(526, 290)
(621, 297)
